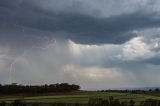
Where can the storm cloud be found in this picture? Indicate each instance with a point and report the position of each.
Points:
(97, 44)
(77, 26)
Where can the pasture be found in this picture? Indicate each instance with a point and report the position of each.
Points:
(80, 97)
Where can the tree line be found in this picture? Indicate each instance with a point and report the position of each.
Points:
(34, 89)
(151, 91)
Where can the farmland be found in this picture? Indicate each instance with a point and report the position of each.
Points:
(79, 97)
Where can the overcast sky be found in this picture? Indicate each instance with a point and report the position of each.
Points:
(98, 44)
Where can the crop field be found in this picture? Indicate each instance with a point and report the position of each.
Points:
(81, 97)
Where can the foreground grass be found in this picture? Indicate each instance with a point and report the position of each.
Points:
(81, 97)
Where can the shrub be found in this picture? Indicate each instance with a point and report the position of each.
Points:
(17, 102)
(3, 103)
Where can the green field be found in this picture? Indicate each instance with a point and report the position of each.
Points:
(81, 98)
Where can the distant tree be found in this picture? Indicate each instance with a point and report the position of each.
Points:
(132, 103)
(133, 91)
(157, 90)
(150, 90)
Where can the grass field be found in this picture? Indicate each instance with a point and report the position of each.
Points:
(81, 97)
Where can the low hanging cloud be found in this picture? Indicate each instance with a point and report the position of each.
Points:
(51, 65)
(91, 66)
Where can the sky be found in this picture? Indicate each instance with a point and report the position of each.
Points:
(97, 44)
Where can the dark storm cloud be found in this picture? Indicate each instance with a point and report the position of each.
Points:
(80, 28)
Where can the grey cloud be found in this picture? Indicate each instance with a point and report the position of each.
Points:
(81, 28)
(28, 26)
(89, 30)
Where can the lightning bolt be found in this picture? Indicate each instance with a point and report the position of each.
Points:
(49, 45)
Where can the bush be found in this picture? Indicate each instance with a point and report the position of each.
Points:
(132, 102)
(3, 103)
(17, 102)
(104, 102)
